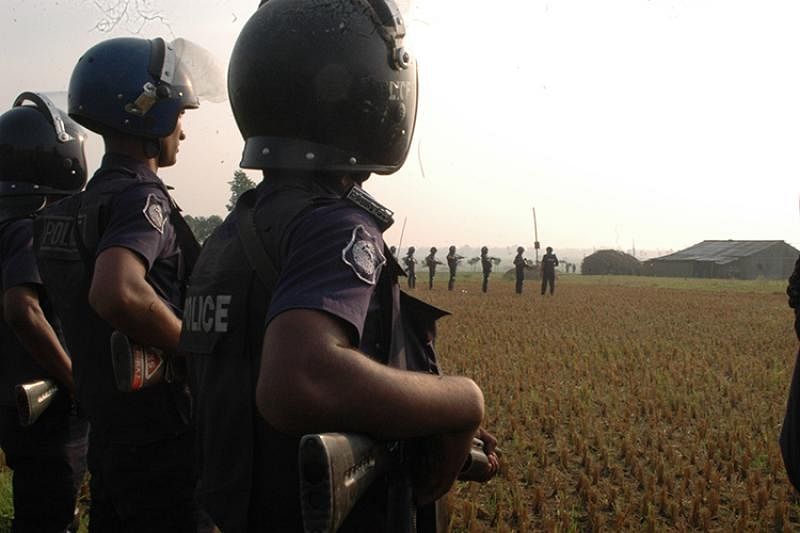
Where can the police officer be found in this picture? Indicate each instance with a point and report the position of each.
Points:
(549, 264)
(790, 429)
(41, 160)
(294, 316)
(793, 292)
(431, 262)
(410, 264)
(452, 263)
(486, 265)
(519, 268)
(118, 255)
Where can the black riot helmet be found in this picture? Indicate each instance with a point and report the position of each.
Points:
(41, 154)
(411, 250)
(324, 85)
(484, 250)
(549, 249)
(520, 249)
(433, 249)
(139, 87)
(452, 249)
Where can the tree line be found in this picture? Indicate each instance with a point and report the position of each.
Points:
(203, 227)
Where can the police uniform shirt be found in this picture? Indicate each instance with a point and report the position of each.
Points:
(519, 263)
(430, 261)
(332, 264)
(549, 262)
(139, 221)
(452, 262)
(329, 257)
(18, 265)
(16, 255)
(127, 204)
(410, 262)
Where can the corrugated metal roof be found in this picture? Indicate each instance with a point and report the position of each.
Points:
(719, 252)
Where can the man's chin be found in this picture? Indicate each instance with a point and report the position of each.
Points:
(164, 163)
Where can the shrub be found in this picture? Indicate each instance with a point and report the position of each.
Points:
(604, 262)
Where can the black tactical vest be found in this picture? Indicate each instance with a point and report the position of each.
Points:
(66, 235)
(249, 479)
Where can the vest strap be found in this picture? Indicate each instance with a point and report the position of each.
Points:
(257, 257)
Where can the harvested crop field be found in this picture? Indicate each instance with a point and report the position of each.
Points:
(626, 403)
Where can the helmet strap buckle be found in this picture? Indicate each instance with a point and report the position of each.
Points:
(144, 102)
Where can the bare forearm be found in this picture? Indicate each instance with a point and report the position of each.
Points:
(364, 396)
(147, 320)
(121, 295)
(26, 319)
(330, 386)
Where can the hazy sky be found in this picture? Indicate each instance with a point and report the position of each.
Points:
(661, 122)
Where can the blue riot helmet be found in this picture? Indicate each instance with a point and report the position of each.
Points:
(41, 154)
(327, 86)
(139, 87)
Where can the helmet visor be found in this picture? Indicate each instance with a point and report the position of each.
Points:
(189, 64)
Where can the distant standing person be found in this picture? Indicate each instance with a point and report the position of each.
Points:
(549, 264)
(431, 262)
(452, 263)
(486, 264)
(519, 268)
(410, 263)
(393, 251)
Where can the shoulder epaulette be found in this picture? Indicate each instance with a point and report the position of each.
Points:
(359, 197)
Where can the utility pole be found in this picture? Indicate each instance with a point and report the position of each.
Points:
(536, 245)
(402, 231)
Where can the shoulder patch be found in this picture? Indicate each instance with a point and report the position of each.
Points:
(363, 256)
(154, 213)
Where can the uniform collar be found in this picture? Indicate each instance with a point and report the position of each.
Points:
(140, 168)
(306, 183)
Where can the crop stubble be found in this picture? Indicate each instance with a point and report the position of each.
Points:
(625, 406)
